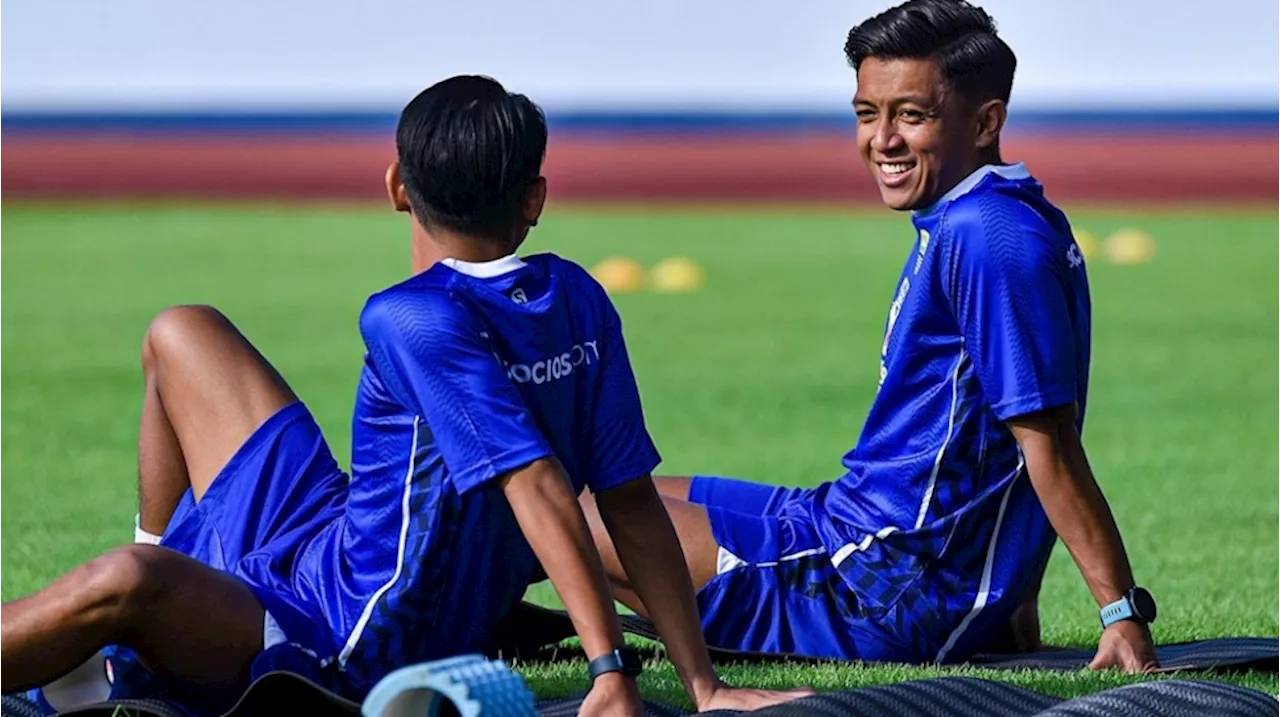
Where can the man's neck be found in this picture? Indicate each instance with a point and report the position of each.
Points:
(429, 249)
(988, 158)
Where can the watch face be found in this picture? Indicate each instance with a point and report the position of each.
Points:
(1143, 605)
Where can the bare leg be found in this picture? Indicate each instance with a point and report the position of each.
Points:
(692, 528)
(162, 474)
(183, 618)
(207, 390)
(672, 487)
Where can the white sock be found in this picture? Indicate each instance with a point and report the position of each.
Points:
(142, 536)
(84, 685)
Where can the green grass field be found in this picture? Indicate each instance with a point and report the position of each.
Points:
(766, 373)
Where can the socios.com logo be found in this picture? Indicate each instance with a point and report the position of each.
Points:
(555, 367)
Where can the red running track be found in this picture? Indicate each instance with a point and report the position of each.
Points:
(1145, 168)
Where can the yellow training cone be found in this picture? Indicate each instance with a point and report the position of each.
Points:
(1130, 246)
(619, 274)
(675, 275)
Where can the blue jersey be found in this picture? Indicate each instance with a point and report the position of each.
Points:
(989, 321)
(472, 370)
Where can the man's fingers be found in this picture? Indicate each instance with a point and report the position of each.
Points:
(1141, 664)
(1100, 661)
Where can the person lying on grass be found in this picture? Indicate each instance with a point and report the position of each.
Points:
(935, 540)
(494, 389)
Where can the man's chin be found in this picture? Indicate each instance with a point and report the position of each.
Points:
(898, 200)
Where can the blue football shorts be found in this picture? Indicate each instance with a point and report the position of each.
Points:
(280, 490)
(776, 589)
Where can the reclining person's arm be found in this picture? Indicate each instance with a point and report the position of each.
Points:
(622, 459)
(1022, 310)
(650, 553)
(552, 521)
(1079, 513)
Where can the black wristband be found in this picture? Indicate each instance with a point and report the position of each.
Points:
(624, 659)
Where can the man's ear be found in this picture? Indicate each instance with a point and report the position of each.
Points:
(535, 198)
(991, 117)
(395, 189)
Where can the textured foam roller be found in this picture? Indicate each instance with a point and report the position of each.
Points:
(473, 685)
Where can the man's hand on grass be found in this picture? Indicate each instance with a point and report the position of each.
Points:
(1126, 645)
(745, 699)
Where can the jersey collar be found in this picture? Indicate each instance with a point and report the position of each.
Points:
(485, 269)
(966, 185)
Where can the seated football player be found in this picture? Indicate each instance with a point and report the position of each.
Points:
(970, 465)
(494, 390)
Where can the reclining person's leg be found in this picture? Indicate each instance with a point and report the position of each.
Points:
(207, 390)
(673, 486)
(692, 528)
(687, 500)
(182, 618)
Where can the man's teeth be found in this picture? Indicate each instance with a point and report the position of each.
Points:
(896, 168)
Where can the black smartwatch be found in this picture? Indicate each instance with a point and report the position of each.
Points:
(624, 659)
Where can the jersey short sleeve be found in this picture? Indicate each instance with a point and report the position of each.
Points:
(435, 359)
(621, 448)
(1008, 294)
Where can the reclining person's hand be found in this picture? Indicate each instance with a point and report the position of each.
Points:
(1128, 646)
(613, 694)
(745, 699)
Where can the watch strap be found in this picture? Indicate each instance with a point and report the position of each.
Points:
(624, 659)
(1115, 612)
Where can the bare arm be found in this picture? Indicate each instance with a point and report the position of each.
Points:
(1076, 508)
(648, 549)
(552, 521)
(651, 555)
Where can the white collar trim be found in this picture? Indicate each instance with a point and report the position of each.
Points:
(485, 269)
(966, 185)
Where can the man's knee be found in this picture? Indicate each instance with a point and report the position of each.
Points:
(176, 328)
(122, 585)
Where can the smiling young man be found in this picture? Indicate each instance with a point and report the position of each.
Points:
(970, 465)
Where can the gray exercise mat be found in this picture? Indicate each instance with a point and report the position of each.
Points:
(18, 706)
(972, 697)
(530, 630)
(284, 694)
(1227, 654)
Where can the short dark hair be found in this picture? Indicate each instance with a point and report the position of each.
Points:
(960, 37)
(468, 151)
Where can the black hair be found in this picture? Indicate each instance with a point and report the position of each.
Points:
(468, 151)
(959, 37)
